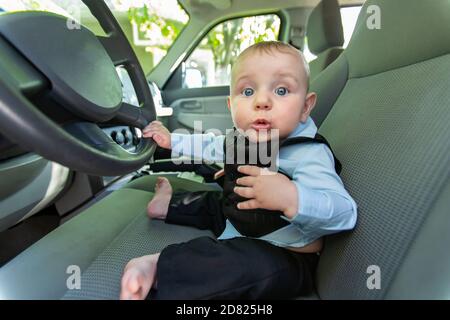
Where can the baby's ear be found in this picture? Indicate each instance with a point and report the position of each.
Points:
(310, 103)
(229, 102)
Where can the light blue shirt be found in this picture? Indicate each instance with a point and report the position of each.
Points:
(325, 207)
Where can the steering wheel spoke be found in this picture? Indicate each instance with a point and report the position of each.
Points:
(122, 54)
(133, 116)
(115, 52)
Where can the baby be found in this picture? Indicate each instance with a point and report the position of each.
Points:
(254, 256)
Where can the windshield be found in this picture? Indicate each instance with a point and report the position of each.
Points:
(151, 26)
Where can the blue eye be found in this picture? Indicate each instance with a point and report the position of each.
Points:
(281, 91)
(247, 92)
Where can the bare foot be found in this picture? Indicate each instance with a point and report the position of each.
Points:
(139, 277)
(157, 208)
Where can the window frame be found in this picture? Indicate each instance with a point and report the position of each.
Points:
(171, 45)
(350, 6)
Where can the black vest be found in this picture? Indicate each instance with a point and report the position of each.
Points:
(255, 222)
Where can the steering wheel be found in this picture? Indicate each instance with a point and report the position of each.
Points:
(78, 70)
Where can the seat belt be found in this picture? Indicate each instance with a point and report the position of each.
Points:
(317, 139)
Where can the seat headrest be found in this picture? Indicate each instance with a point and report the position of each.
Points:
(409, 31)
(324, 27)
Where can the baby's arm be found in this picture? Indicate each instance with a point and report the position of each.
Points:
(203, 146)
(208, 146)
(324, 206)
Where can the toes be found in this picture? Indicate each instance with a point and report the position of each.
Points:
(152, 212)
(134, 284)
(162, 180)
(157, 184)
(139, 277)
(131, 286)
(125, 293)
(140, 287)
(162, 183)
(166, 184)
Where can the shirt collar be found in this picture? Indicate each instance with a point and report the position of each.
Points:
(306, 129)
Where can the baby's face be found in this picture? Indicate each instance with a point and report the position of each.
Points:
(268, 92)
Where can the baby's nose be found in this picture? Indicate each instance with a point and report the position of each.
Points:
(263, 106)
(263, 103)
(263, 100)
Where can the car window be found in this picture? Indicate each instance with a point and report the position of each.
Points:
(210, 63)
(349, 16)
(151, 26)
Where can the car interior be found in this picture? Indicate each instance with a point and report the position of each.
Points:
(76, 175)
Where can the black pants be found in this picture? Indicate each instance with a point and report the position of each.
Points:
(238, 268)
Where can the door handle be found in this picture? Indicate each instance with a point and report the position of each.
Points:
(191, 105)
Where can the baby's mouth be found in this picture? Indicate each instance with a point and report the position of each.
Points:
(261, 124)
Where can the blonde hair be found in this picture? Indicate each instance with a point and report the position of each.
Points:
(268, 47)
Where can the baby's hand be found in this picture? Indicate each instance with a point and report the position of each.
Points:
(159, 133)
(271, 191)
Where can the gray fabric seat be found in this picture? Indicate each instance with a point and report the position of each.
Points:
(390, 108)
(99, 241)
(389, 99)
(325, 35)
